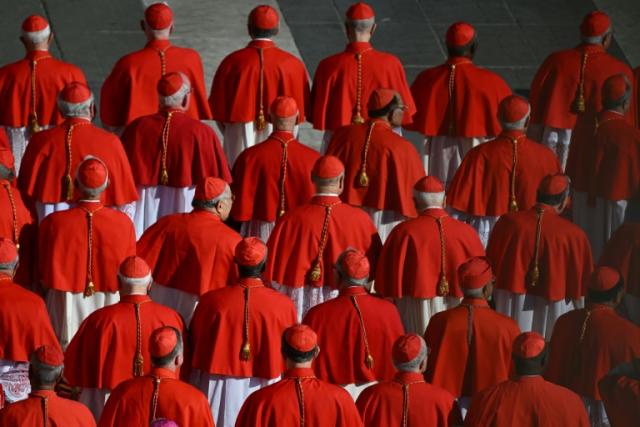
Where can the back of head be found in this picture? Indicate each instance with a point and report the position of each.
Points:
(476, 277)
(328, 175)
(36, 32)
(360, 18)
(529, 354)
(134, 276)
(158, 18)
(353, 267)
(165, 346)
(92, 177)
(8, 256)
(76, 100)
(263, 22)
(429, 192)
(606, 286)
(299, 344)
(409, 353)
(595, 27)
(554, 190)
(209, 192)
(513, 112)
(382, 102)
(284, 113)
(461, 40)
(251, 257)
(45, 367)
(173, 90)
(616, 92)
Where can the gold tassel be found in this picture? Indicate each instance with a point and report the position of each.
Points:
(368, 360)
(68, 183)
(364, 179)
(281, 212)
(164, 177)
(138, 367)
(533, 276)
(261, 122)
(357, 119)
(316, 272)
(89, 290)
(443, 285)
(245, 353)
(580, 107)
(513, 206)
(17, 245)
(34, 127)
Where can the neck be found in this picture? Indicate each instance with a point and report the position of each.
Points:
(45, 387)
(292, 365)
(360, 37)
(81, 117)
(133, 291)
(171, 367)
(328, 190)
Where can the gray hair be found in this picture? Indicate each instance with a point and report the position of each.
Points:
(344, 276)
(428, 200)
(361, 25)
(11, 265)
(93, 192)
(71, 109)
(596, 39)
(322, 182)
(473, 293)
(45, 374)
(169, 358)
(7, 173)
(413, 365)
(135, 281)
(37, 37)
(520, 124)
(176, 99)
(209, 204)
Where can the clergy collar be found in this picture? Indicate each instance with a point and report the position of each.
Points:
(512, 133)
(591, 48)
(529, 378)
(43, 393)
(261, 43)
(606, 115)
(408, 377)
(159, 44)
(458, 60)
(134, 299)
(353, 291)
(591, 306)
(90, 205)
(4, 278)
(379, 121)
(37, 54)
(325, 199)
(171, 110)
(548, 209)
(202, 211)
(250, 282)
(283, 135)
(162, 373)
(476, 302)
(299, 373)
(434, 212)
(76, 120)
(358, 47)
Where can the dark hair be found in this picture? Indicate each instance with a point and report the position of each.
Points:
(166, 360)
(259, 33)
(551, 199)
(606, 296)
(253, 270)
(467, 50)
(531, 365)
(297, 356)
(203, 204)
(386, 109)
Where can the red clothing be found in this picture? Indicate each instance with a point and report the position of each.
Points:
(238, 78)
(381, 405)
(44, 165)
(279, 405)
(636, 78)
(130, 403)
(130, 90)
(102, 352)
(482, 185)
(257, 178)
(621, 394)
(410, 261)
(470, 347)
(622, 252)
(295, 241)
(192, 252)
(4, 139)
(564, 257)
(608, 340)
(219, 317)
(52, 76)
(60, 412)
(24, 322)
(393, 167)
(477, 94)
(334, 94)
(193, 151)
(528, 402)
(64, 247)
(338, 325)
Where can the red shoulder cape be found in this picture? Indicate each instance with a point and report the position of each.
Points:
(622, 252)
(621, 394)
(60, 411)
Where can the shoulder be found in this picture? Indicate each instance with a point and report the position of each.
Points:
(389, 58)
(186, 51)
(329, 64)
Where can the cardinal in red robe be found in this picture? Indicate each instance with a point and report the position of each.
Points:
(343, 82)
(300, 398)
(586, 343)
(169, 153)
(192, 253)
(273, 176)
(457, 104)
(419, 261)
(4, 139)
(636, 85)
(158, 394)
(80, 252)
(501, 175)
(129, 91)
(112, 345)
(620, 392)
(29, 87)
(250, 319)
(381, 166)
(542, 260)
(307, 241)
(407, 400)
(52, 157)
(567, 86)
(527, 400)
(43, 407)
(470, 344)
(248, 80)
(24, 326)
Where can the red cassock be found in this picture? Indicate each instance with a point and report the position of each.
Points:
(334, 94)
(295, 241)
(621, 394)
(636, 79)
(103, 351)
(410, 261)
(470, 347)
(350, 327)
(528, 401)
(60, 412)
(564, 256)
(64, 247)
(238, 78)
(393, 167)
(382, 404)
(623, 253)
(279, 405)
(607, 341)
(45, 163)
(220, 318)
(258, 174)
(130, 404)
(482, 185)
(191, 252)
(52, 76)
(193, 151)
(24, 322)
(4, 139)
(477, 94)
(130, 90)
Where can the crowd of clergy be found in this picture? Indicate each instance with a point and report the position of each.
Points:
(155, 273)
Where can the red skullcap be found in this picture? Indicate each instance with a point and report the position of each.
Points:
(553, 185)
(301, 338)
(595, 24)
(475, 273)
(49, 355)
(407, 348)
(250, 252)
(34, 23)
(615, 88)
(75, 93)
(8, 251)
(6, 158)
(380, 98)
(429, 184)
(603, 279)
(354, 264)
(209, 189)
(528, 345)
(159, 16)
(512, 109)
(460, 34)
(327, 167)
(134, 267)
(284, 106)
(264, 17)
(360, 11)
(92, 173)
(170, 84)
(162, 422)
(162, 341)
